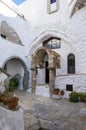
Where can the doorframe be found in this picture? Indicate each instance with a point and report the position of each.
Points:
(46, 72)
(54, 62)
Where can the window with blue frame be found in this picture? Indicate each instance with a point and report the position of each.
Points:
(52, 1)
(52, 43)
(53, 6)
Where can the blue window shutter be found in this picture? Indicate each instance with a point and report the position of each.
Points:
(52, 1)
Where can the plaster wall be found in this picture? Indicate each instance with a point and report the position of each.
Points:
(78, 82)
(71, 30)
(39, 26)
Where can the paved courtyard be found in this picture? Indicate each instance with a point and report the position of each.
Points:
(50, 114)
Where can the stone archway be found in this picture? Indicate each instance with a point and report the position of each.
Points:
(38, 59)
(14, 61)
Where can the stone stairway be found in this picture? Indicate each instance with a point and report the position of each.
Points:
(42, 90)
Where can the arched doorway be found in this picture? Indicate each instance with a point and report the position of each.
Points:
(17, 66)
(46, 73)
(42, 73)
(39, 61)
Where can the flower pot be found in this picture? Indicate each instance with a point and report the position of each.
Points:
(56, 91)
(12, 102)
(11, 94)
(2, 98)
(82, 99)
(62, 93)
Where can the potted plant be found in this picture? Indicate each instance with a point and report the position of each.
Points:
(10, 100)
(56, 91)
(62, 92)
(13, 83)
(11, 103)
(82, 96)
(74, 96)
(1, 96)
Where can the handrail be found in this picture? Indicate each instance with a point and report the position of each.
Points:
(5, 72)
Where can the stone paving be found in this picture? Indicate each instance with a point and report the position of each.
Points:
(50, 114)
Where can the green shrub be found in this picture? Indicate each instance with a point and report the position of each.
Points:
(82, 96)
(14, 82)
(74, 97)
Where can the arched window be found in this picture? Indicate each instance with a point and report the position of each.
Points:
(71, 63)
(52, 43)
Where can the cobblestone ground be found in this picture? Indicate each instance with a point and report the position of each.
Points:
(51, 114)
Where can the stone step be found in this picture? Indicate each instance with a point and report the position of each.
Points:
(42, 90)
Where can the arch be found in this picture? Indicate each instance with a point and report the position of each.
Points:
(52, 43)
(39, 55)
(43, 36)
(7, 32)
(62, 33)
(77, 5)
(38, 59)
(71, 63)
(41, 48)
(26, 73)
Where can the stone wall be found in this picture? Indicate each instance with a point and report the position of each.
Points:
(78, 81)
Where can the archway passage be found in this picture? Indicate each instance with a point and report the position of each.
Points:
(16, 66)
(38, 61)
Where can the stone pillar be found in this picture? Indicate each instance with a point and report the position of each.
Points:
(33, 68)
(33, 80)
(26, 80)
(51, 80)
(51, 74)
(11, 120)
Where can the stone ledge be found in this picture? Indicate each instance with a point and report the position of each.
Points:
(11, 120)
(56, 96)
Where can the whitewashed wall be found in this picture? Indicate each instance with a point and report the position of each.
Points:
(72, 30)
(78, 82)
(39, 26)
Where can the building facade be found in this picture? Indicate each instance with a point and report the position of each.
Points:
(45, 41)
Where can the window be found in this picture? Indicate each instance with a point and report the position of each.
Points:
(71, 63)
(69, 87)
(3, 36)
(52, 43)
(52, 1)
(52, 6)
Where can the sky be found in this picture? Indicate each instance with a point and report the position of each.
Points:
(18, 1)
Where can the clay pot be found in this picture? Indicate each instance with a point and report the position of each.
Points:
(11, 102)
(56, 91)
(62, 93)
